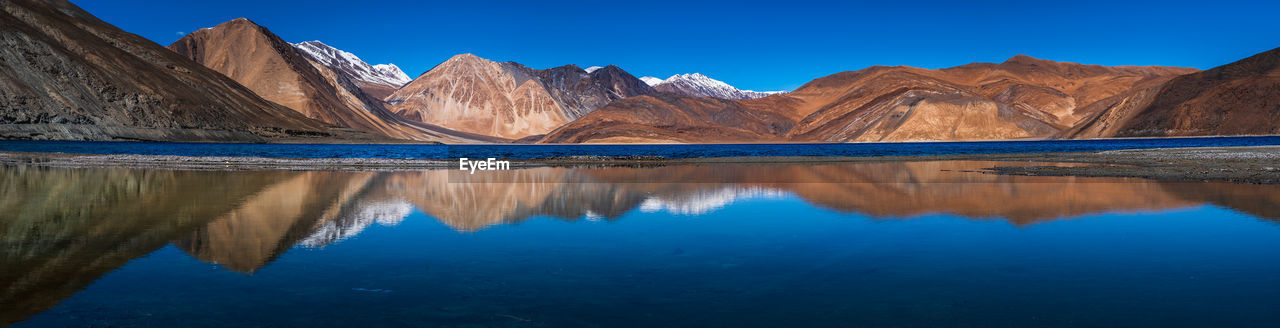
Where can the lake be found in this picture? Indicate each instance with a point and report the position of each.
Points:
(916, 244)
(513, 151)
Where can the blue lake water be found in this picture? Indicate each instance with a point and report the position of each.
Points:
(928, 244)
(668, 151)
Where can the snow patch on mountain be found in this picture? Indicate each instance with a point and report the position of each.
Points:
(592, 69)
(383, 74)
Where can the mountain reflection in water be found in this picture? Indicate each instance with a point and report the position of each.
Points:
(63, 228)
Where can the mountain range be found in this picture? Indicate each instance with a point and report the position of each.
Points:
(1022, 97)
(67, 75)
(312, 79)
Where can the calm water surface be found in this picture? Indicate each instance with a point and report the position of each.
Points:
(929, 244)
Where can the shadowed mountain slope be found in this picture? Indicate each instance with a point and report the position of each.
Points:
(1241, 98)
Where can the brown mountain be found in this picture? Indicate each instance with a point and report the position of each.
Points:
(275, 70)
(508, 100)
(65, 74)
(1240, 98)
(1022, 97)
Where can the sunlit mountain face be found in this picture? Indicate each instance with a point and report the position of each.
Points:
(63, 229)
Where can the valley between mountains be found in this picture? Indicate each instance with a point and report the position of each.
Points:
(66, 75)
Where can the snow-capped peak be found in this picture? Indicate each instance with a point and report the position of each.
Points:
(698, 85)
(699, 80)
(384, 74)
(651, 81)
(592, 69)
(393, 71)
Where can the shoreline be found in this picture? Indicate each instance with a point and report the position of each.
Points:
(1249, 164)
(305, 141)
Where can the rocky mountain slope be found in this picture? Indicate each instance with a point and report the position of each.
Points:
(1240, 98)
(476, 95)
(698, 85)
(379, 81)
(277, 71)
(65, 74)
(1022, 97)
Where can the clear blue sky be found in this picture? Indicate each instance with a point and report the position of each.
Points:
(776, 45)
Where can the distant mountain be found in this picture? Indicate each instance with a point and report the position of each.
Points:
(1240, 98)
(698, 85)
(1022, 97)
(508, 100)
(280, 72)
(378, 81)
(579, 91)
(65, 74)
